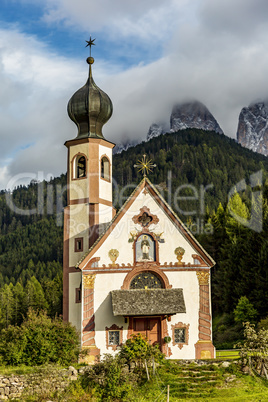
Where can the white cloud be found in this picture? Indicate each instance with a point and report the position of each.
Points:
(146, 20)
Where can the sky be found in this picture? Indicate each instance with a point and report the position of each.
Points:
(149, 55)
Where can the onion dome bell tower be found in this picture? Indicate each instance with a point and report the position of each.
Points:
(89, 184)
(90, 108)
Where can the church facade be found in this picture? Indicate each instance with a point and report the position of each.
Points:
(139, 270)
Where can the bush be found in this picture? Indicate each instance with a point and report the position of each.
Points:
(108, 380)
(112, 379)
(137, 349)
(254, 348)
(39, 340)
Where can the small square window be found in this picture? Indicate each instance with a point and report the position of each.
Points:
(78, 295)
(78, 244)
(179, 335)
(114, 337)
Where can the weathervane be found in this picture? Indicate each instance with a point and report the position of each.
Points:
(90, 43)
(145, 165)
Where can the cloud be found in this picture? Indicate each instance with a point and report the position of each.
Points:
(141, 20)
(34, 87)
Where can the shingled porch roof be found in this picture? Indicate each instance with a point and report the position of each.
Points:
(140, 302)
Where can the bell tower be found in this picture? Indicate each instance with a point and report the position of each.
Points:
(89, 186)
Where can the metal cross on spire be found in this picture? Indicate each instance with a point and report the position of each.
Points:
(90, 43)
(145, 165)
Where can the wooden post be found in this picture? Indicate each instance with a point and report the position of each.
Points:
(147, 372)
(168, 393)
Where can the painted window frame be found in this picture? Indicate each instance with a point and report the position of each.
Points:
(74, 166)
(185, 327)
(113, 328)
(78, 295)
(105, 173)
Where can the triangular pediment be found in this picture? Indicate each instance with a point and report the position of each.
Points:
(146, 211)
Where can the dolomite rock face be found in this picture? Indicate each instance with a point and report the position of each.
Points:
(252, 131)
(193, 115)
(184, 115)
(157, 129)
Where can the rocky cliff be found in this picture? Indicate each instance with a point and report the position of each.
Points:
(186, 115)
(252, 129)
(193, 115)
(156, 129)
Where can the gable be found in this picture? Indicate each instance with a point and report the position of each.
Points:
(165, 227)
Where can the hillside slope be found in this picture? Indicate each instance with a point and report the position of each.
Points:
(200, 165)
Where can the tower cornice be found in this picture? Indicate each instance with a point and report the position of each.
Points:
(100, 141)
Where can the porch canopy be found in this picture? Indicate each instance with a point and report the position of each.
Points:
(147, 302)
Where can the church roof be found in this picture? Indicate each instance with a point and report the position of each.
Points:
(146, 184)
(147, 302)
(90, 108)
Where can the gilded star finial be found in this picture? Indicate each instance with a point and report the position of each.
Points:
(90, 43)
(145, 165)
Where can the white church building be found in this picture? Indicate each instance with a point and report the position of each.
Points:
(139, 270)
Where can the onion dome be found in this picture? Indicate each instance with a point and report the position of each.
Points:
(90, 108)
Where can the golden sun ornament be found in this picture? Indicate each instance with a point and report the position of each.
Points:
(145, 165)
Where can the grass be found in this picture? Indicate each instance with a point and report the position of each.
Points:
(16, 370)
(204, 383)
(227, 354)
(189, 382)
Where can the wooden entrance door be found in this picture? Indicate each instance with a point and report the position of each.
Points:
(150, 327)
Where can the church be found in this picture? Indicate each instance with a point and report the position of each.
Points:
(136, 270)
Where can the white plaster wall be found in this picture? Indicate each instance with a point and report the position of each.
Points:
(78, 227)
(105, 213)
(118, 238)
(104, 317)
(189, 283)
(74, 308)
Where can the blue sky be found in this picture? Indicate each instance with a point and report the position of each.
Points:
(149, 55)
(29, 18)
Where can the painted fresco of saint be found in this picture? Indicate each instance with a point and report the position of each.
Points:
(145, 248)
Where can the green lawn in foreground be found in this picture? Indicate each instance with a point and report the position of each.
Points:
(203, 383)
(227, 354)
(191, 382)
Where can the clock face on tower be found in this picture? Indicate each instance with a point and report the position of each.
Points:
(146, 280)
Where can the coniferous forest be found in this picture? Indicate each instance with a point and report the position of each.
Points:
(218, 189)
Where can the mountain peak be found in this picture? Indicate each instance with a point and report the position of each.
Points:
(252, 131)
(193, 115)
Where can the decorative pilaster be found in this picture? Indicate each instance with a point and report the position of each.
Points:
(204, 348)
(88, 334)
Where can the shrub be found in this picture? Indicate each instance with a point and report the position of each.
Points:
(137, 349)
(108, 380)
(111, 379)
(39, 340)
(254, 348)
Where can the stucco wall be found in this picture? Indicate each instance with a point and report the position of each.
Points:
(74, 308)
(118, 238)
(106, 282)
